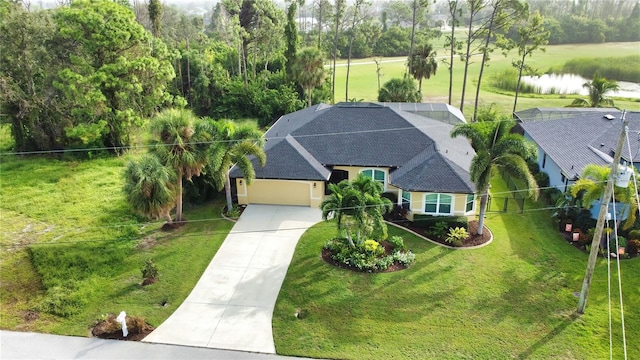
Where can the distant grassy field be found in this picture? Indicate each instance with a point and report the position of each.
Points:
(363, 83)
(512, 299)
(66, 225)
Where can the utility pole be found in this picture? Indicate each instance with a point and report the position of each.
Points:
(604, 206)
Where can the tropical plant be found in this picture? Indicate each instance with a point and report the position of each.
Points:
(176, 142)
(399, 90)
(591, 187)
(234, 145)
(423, 64)
(497, 149)
(456, 236)
(308, 70)
(598, 87)
(357, 206)
(150, 187)
(149, 272)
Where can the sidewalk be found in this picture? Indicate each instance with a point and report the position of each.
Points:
(18, 345)
(232, 304)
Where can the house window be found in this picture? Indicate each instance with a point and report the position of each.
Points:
(438, 204)
(406, 200)
(375, 174)
(470, 199)
(544, 160)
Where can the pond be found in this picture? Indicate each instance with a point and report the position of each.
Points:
(572, 84)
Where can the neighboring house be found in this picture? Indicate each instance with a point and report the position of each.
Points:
(412, 156)
(537, 114)
(570, 141)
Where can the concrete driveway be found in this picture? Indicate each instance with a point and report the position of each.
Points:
(232, 304)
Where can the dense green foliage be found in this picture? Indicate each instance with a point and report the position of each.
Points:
(400, 90)
(79, 76)
(621, 69)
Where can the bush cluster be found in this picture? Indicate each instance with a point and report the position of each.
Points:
(369, 256)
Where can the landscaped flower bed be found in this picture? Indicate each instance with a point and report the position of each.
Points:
(370, 256)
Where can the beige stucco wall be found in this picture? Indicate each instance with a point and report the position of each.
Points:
(281, 192)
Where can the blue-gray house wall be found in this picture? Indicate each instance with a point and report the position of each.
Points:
(547, 165)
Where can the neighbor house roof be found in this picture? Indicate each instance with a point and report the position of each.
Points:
(418, 150)
(591, 138)
(539, 113)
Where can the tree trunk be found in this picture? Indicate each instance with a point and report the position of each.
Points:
(309, 92)
(515, 102)
(227, 190)
(483, 209)
(453, 42)
(466, 66)
(484, 59)
(179, 202)
(335, 55)
(351, 36)
(188, 74)
(413, 32)
(320, 24)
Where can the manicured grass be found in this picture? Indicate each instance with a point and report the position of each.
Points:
(511, 299)
(363, 80)
(66, 223)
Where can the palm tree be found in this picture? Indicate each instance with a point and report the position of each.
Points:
(496, 149)
(345, 205)
(399, 90)
(234, 145)
(150, 187)
(598, 87)
(375, 206)
(592, 183)
(424, 64)
(177, 144)
(308, 70)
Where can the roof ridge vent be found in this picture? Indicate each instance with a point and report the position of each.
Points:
(609, 117)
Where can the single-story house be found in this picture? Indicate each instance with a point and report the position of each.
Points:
(412, 155)
(569, 142)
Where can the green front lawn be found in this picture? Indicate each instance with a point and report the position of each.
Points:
(66, 224)
(511, 299)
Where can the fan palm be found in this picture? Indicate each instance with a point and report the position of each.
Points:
(592, 183)
(496, 149)
(177, 144)
(424, 64)
(234, 145)
(150, 187)
(399, 90)
(598, 88)
(308, 70)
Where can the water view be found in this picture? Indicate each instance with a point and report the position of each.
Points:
(572, 84)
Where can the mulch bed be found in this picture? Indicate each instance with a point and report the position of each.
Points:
(473, 240)
(104, 329)
(388, 250)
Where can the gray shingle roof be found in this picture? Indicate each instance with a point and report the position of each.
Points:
(577, 141)
(306, 145)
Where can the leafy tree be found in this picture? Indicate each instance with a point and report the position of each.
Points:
(150, 187)
(598, 87)
(531, 37)
(399, 90)
(308, 70)
(234, 145)
(179, 142)
(497, 149)
(393, 42)
(291, 35)
(418, 8)
(110, 79)
(591, 187)
(424, 64)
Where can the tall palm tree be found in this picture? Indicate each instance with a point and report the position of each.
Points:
(598, 87)
(424, 64)
(592, 183)
(177, 144)
(150, 187)
(234, 145)
(497, 149)
(308, 70)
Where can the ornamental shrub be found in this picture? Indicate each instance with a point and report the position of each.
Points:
(397, 242)
(439, 229)
(632, 247)
(456, 236)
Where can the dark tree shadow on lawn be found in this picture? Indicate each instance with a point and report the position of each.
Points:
(550, 336)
